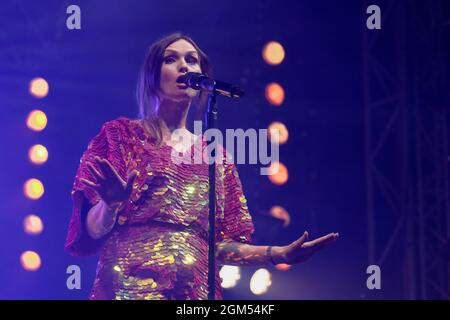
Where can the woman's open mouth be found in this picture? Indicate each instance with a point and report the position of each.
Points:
(182, 86)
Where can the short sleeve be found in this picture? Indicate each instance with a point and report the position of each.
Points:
(236, 224)
(107, 144)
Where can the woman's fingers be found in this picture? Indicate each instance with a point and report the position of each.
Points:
(323, 241)
(89, 184)
(108, 169)
(300, 250)
(300, 240)
(97, 174)
(130, 181)
(103, 167)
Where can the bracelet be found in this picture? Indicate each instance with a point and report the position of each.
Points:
(269, 255)
(117, 206)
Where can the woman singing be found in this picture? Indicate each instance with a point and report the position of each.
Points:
(147, 216)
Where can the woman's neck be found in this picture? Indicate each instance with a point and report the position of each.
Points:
(173, 116)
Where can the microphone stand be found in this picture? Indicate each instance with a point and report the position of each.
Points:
(211, 114)
(211, 123)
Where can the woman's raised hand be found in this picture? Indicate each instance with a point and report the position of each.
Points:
(301, 250)
(111, 188)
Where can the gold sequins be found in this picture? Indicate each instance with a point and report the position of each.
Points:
(189, 259)
(160, 191)
(190, 189)
(170, 259)
(121, 220)
(161, 251)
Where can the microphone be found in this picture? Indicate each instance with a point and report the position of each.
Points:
(200, 81)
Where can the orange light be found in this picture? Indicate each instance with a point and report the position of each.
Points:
(283, 266)
(274, 94)
(33, 189)
(273, 53)
(30, 261)
(278, 173)
(37, 120)
(38, 88)
(280, 130)
(33, 225)
(281, 213)
(38, 154)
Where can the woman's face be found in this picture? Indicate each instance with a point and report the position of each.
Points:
(179, 58)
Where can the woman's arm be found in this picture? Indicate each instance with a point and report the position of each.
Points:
(236, 253)
(100, 219)
(241, 254)
(113, 192)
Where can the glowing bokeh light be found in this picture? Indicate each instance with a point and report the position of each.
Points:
(283, 266)
(278, 173)
(33, 189)
(281, 213)
(230, 276)
(38, 154)
(260, 281)
(37, 120)
(278, 130)
(30, 261)
(33, 225)
(274, 94)
(273, 53)
(38, 88)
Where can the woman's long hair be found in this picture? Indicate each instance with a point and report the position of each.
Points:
(148, 86)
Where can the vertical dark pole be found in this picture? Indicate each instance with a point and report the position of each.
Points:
(211, 123)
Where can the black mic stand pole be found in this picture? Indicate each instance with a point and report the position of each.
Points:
(211, 123)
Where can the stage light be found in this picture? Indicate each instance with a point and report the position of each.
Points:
(230, 276)
(37, 120)
(38, 87)
(30, 261)
(38, 154)
(260, 281)
(33, 189)
(273, 53)
(280, 213)
(283, 266)
(278, 128)
(278, 173)
(33, 225)
(274, 94)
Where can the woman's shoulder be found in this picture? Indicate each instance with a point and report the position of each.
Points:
(127, 128)
(120, 129)
(118, 122)
(123, 124)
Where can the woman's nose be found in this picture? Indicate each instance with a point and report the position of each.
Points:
(183, 69)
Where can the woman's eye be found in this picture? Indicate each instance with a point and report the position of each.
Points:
(192, 60)
(169, 60)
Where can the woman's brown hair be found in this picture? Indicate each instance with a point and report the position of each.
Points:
(148, 86)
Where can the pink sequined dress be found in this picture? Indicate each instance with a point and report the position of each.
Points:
(158, 246)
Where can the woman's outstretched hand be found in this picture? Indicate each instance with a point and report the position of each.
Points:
(301, 250)
(111, 188)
